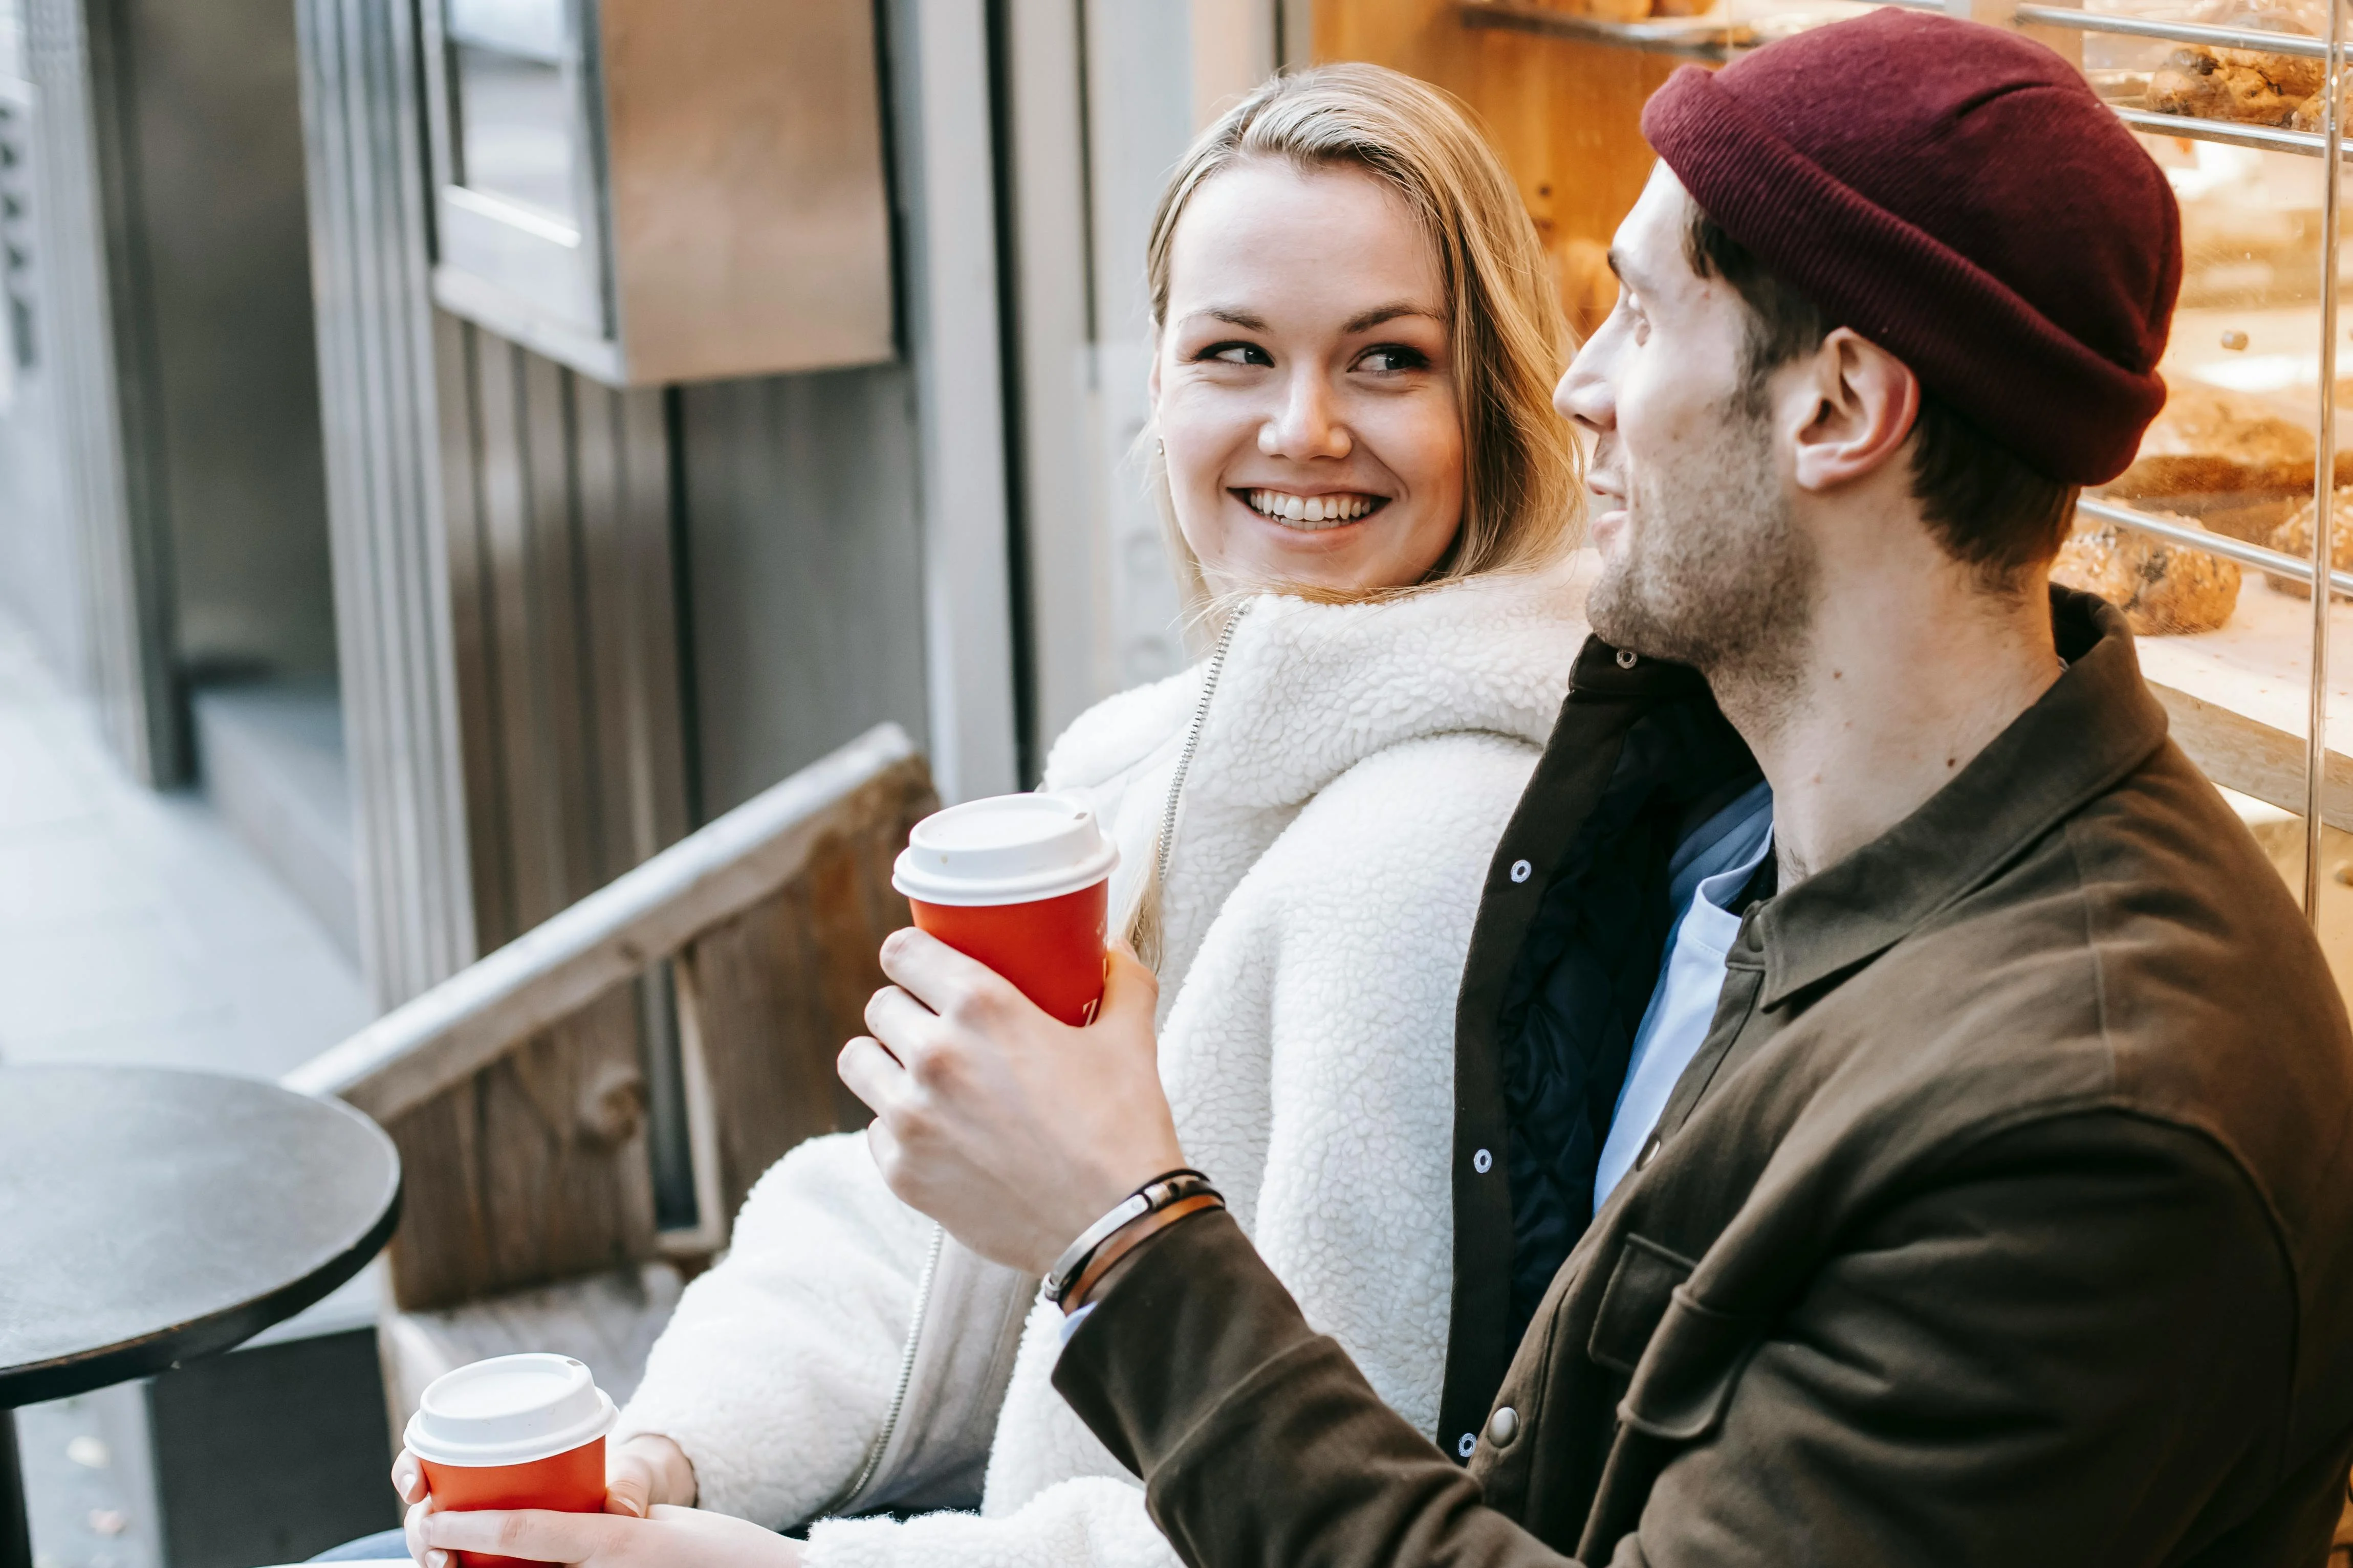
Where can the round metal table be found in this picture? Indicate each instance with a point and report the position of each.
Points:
(149, 1216)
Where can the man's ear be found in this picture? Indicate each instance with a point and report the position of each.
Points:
(1863, 403)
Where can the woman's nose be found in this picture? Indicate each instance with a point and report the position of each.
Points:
(1306, 425)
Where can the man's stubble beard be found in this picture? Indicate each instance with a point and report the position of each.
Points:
(1715, 572)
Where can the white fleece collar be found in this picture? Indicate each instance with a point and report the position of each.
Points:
(1311, 690)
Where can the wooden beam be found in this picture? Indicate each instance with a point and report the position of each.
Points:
(447, 1034)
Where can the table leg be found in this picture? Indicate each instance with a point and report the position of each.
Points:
(15, 1529)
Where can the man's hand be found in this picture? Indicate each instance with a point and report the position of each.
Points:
(1014, 1130)
(671, 1537)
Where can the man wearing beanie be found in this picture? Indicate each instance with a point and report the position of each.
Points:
(1969, 1156)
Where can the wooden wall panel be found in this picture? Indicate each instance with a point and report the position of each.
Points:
(1566, 116)
(558, 497)
(775, 992)
(532, 1170)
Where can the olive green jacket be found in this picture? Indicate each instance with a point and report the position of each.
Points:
(2005, 1216)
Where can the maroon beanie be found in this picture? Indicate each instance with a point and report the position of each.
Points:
(1958, 194)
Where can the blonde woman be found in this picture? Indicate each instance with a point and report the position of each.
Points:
(1370, 503)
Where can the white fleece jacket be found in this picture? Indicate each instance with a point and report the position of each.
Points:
(1356, 769)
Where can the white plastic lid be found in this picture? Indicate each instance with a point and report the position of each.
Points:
(1006, 850)
(508, 1410)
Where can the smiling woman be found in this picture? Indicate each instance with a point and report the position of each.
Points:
(1355, 350)
(1370, 500)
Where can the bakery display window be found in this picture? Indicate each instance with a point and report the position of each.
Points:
(2213, 539)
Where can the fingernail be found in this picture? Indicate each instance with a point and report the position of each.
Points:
(632, 1507)
(437, 1558)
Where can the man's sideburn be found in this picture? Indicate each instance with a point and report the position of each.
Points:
(1715, 573)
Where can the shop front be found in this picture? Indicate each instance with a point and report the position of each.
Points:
(2214, 538)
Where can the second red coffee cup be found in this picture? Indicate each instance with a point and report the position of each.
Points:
(515, 1431)
(1020, 883)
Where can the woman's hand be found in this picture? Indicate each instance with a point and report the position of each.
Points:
(1014, 1130)
(646, 1471)
(670, 1537)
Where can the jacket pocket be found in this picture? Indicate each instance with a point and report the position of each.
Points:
(1636, 1297)
(1684, 1358)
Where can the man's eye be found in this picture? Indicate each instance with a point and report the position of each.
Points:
(1390, 359)
(1237, 353)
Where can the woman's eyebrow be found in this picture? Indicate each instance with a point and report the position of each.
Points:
(1233, 316)
(1366, 320)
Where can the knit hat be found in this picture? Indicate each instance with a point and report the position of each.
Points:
(1955, 194)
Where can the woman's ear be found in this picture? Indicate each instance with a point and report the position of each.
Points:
(1863, 403)
(1152, 379)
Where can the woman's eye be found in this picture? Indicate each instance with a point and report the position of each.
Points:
(1237, 353)
(1390, 359)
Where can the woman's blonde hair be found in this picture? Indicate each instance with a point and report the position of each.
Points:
(1521, 496)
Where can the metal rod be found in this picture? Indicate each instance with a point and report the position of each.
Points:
(2295, 44)
(2276, 561)
(2324, 482)
(1693, 37)
(2229, 132)
(16, 1533)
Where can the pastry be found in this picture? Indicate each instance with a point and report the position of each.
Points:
(2294, 537)
(2208, 441)
(2163, 588)
(2247, 85)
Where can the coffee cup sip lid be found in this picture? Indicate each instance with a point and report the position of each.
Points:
(508, 1410)
(1006, 850)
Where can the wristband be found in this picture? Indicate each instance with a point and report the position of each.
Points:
(1154, 1194)
(1127, 1238)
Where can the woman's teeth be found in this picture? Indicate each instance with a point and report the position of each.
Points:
(1312, 511)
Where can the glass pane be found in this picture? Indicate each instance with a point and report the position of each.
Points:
(532, 27)
(515, 129)
(2227, 644)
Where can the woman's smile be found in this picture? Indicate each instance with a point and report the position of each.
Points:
(1310, 513)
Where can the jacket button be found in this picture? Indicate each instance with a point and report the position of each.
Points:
(1464, 1443)
(1521, 871)
(1625, 658)
(1649, 1148)
(1502, 1426)
(1483, 1162)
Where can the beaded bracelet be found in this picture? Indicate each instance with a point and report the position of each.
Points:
(1155, 1195)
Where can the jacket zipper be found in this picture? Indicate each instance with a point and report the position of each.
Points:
(1217, 667)
(849, 1494)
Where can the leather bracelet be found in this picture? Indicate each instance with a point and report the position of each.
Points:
(1157, 1194)
(1126, 1239)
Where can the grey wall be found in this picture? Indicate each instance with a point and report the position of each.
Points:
(804, 567)
(40, 570)
(223, 261)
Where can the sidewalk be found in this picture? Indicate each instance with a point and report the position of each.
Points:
(133, 928)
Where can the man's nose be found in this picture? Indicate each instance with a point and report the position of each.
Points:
(1306, 425)
(1586, 396)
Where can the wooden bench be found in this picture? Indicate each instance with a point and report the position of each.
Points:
(517, 1089)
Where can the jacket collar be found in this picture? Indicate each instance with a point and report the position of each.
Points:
(2096, 724)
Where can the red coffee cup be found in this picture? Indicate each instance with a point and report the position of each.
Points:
(1021, 882)
(515, 1431)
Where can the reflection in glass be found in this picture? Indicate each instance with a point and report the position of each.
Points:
(515, 138)
(533, 28)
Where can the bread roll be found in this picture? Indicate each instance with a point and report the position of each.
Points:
(2163, 588)
(2211, 442)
